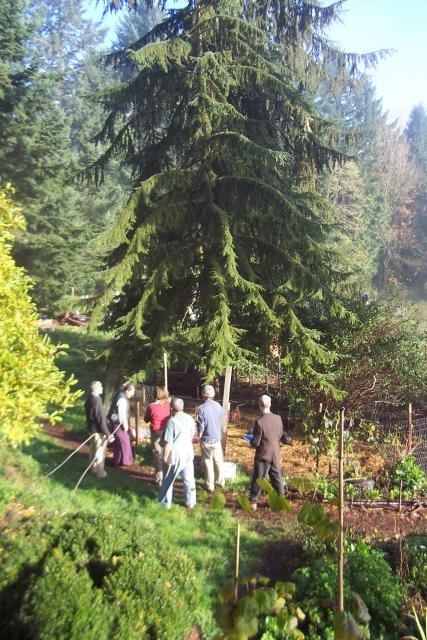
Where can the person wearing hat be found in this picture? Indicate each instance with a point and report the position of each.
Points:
(209, 426)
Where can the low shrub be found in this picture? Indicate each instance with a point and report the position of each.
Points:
(416, 560)
(93, 576)
(412, 476)
(366, 573)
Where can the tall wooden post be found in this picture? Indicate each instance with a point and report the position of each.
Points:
(341, 515)
(137, 422)
(225, 404)
(165, 366)
(410, 427)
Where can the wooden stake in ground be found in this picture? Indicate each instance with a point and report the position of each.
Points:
(137, 404)
(341, 515)
(236, 570)
(225, 403)
(410, 427)
(165, 366)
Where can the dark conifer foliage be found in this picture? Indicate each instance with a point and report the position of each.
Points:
(222, 244)
(49, 72)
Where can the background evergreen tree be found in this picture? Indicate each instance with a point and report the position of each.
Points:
(134, 24)
(45, 141)
(416, 252)
(223, 242)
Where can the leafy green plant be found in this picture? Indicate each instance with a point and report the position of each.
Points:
(327, 489)
(304, 484)
(367, 431)
(276, 502)
(416, 561)
(412, 477)
(240, 619)
(323, 526)
(374, 494)
(366, 573)
(324, 437)
(244, 503)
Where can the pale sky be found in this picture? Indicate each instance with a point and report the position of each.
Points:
(369, 25)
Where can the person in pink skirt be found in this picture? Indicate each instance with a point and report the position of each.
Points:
(119, 418)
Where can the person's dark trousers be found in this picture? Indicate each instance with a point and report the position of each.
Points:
(262, 468)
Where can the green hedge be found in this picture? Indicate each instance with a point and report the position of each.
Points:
(82, 577)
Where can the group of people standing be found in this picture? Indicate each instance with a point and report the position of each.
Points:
(173, 433)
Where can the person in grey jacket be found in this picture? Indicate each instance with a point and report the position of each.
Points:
(97, 424)
(268, 432)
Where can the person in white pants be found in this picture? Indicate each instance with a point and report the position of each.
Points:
(209, 425)
(178, 455)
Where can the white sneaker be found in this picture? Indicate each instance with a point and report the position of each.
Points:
(101, 474)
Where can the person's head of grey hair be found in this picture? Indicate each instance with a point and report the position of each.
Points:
(96, 386)
(265, 402)
(177, 404)
(208, 391)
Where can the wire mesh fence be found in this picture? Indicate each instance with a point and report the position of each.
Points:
(414, 439)
(144, 394)
(245, 414)
(419, 442)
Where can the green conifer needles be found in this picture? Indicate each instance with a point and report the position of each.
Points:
(224, 236)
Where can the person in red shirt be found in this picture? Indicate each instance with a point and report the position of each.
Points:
(157, 414)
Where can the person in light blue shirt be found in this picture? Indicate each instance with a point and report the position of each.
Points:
(210, 417)
(178, 455)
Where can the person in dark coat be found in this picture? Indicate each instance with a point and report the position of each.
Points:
(97, 424)
(267, 434)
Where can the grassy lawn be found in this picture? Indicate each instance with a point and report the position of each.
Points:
(82, 359)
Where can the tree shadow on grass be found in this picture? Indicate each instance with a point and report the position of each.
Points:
(48, 454)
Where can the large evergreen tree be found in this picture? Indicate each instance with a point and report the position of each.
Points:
(222, 244)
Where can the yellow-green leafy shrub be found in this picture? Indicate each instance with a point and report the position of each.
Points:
(32, 388)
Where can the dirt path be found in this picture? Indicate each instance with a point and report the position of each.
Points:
(372, 524)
